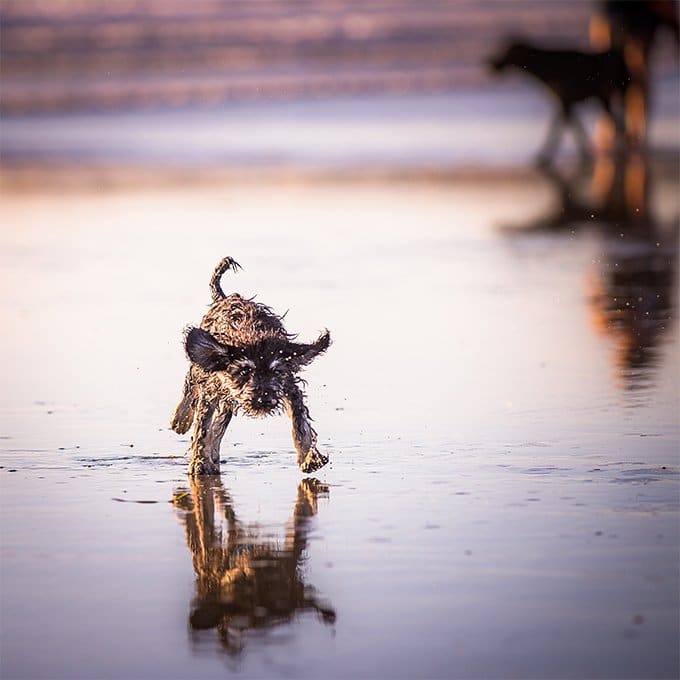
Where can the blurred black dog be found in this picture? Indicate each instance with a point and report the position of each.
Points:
(571, 77)
(243, 360)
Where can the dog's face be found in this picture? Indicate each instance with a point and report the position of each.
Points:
(256, 375)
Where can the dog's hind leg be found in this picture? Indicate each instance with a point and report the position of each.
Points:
(210, 424)
(617, 117)
(304, 437)
(184, 413)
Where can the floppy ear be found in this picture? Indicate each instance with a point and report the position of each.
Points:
(302, 354)
(205, 351)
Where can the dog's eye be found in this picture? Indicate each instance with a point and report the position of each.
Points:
(243, 372)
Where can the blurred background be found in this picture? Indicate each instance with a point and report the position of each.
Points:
(360, 86)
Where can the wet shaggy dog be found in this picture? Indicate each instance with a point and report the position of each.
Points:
(243, 361)
(572, 77)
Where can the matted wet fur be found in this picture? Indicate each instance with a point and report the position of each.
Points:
(243, 361)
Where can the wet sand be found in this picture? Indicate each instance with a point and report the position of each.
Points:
(439, 132)
(503, 494)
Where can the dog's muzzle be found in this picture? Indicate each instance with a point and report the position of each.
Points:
(263, 405)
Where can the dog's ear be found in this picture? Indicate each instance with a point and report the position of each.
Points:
(301, 354)
(205, 351)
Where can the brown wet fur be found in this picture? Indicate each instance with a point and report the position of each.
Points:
(243, 361)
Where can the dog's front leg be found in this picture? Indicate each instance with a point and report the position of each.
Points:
(184, 413)
(304, 437)
(210, 423)
(552, 139)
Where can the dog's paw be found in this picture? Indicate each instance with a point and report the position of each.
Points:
(313, 461)
(202, 467)
(181, 422)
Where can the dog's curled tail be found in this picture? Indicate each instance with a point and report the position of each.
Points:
(215, 288)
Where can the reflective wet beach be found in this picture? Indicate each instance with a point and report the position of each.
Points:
(500, 406)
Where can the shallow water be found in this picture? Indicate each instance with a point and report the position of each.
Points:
(503, 493)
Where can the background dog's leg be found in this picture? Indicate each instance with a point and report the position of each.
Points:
(582, 139)
(552, 139)
(617, 117)
(184, 413)
(210, 424)
(304, 437)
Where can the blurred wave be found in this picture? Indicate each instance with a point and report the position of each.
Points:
(384, 85)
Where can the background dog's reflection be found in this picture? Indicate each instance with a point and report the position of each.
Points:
(631, 286)
(245, 581)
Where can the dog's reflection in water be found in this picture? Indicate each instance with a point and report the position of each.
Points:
(245, 581)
